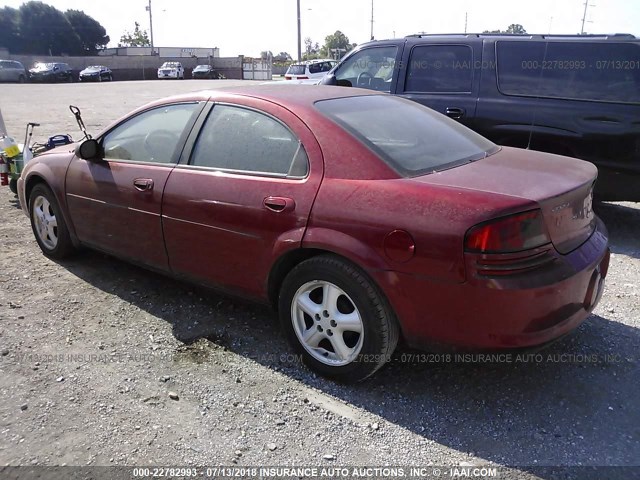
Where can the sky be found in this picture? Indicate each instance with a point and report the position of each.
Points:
(248, 27)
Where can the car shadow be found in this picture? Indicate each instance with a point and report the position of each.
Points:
(623, 223)
(574, 403)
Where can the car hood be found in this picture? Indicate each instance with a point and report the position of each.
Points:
(561, 186)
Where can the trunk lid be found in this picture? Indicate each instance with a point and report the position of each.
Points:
(561, 186)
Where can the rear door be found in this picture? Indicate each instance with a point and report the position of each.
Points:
(443, 75)
(244, 196)
(116, 202)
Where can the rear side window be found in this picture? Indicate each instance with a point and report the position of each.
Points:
(440, 69)
(600, 71)
(244, 140)
(410, 137)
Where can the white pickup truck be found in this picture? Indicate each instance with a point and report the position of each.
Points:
(171, 70)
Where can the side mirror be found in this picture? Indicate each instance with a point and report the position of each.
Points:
(89, 150)
(328, 79)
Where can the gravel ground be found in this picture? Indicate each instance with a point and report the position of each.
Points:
(103, 363)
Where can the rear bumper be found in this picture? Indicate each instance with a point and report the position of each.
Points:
(532, 308)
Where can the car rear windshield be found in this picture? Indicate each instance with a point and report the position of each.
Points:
(412, 139)
(296, 70)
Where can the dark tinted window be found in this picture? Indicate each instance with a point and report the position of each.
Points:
(296, 70)
(245, 140)
(152, 136)
(411, 138)
(440, 69)
(603, 71)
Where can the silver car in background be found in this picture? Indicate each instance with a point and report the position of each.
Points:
(12, 71)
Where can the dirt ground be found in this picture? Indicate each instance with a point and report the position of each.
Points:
(103, 363)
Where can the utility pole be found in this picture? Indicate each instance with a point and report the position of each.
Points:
(150, 25)
(584, 16)
(299, 35)
(371, 19)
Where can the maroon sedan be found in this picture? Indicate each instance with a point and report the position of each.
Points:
(360, 216)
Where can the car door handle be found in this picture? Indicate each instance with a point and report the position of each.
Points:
(143, 184)
(454, 112)
(279, 204)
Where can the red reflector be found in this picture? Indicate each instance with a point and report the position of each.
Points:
(514, 233)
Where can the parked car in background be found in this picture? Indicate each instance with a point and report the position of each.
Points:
(12, 71)
(171, 70)
(203, 71)
(311, 69)
(360, 216)
(96, 73)
(51, 72)
(574, 95)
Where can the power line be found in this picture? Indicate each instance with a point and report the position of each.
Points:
(584, 16)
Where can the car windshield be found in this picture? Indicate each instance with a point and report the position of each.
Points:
(95, 67)
(170, 65)
(296, 70)
(202, 67)
(412, 139)
(43, 66)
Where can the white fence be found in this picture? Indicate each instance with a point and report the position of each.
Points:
(256, 69)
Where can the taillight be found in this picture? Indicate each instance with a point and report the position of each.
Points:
(514, 233)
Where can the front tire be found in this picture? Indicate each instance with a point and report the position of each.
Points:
(48, 224)
(336, 318)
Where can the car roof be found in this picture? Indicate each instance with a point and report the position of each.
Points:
(292, 95)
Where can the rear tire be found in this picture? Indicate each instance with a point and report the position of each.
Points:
(48, 224)
(337, 319)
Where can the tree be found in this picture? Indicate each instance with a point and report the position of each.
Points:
(93, 36)
(514, 28)
(9, 29)
(266, 54)
(517, 29)
(282, 57)
(311, 50)
(138, 38)
(336, 45)
(45, 30)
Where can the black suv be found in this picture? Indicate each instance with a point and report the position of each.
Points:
(571, 95)
(51, 72)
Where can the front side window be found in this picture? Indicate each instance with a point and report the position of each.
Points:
(440, 69)
(152, 136)
(411, 138)
(370, 68)
(244, 140)
(600, 71)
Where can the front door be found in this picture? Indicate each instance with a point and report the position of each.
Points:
(119, 198)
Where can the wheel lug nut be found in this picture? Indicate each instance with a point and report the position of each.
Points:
(326, 314)
(330, 333)
(319, 328)
(334, 324)
(317, 317)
